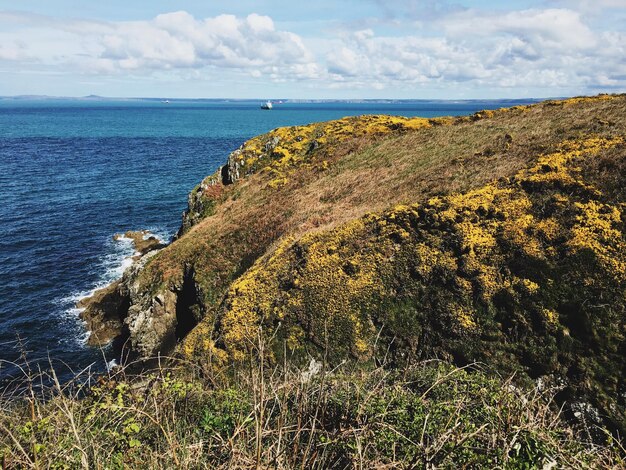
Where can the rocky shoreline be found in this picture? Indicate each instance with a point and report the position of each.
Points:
(105, 309)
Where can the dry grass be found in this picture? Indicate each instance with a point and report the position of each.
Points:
(366, 175)
(431, 415)
(377, 173)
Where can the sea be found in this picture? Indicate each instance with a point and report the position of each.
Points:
(75, 172)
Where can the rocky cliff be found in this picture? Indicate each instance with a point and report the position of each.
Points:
(105, 310)
(497, 237)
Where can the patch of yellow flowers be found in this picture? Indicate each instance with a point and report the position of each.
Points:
(324, 284)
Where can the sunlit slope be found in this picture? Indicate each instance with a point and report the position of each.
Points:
(497, 237)
(526, 275)
(342, 180)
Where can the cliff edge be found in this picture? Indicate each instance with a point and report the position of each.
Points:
(497, 237)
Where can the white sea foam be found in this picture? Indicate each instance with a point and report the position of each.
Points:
(111, 266)
(164, 236)
(84, 337)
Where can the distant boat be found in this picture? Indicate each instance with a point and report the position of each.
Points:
(166, 101)
(267, 105)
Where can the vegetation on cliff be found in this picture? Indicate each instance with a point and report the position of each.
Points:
(430, 415)
(338, 182)
(511, 274)
(373, 245)
(522, 269)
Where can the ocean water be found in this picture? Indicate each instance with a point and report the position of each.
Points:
(75, 172)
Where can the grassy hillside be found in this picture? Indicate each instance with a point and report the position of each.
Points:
(526, 274)
(367, 247)
(496, 237)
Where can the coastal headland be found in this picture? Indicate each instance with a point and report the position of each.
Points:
(373, 292)
(496, 237)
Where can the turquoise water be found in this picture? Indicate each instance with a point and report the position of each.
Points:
(75, 172)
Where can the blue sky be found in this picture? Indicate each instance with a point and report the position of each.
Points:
(317, 49)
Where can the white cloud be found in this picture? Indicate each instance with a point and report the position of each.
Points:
(550, 48)
(407, 59)
(169, 41)
(592, 5)
(554, 28)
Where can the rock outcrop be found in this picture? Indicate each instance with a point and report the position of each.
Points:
(150, 320)
(156, 321)
(105, 310)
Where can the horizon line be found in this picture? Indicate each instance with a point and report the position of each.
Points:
(101, 97)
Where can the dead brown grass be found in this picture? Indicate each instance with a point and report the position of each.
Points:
(431, 415)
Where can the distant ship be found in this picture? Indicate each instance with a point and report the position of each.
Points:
(267, 105)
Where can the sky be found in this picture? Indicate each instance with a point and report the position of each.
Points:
(320, 49)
